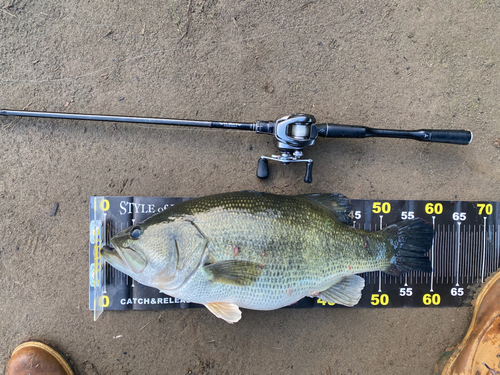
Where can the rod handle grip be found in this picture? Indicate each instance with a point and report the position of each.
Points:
(457, 137)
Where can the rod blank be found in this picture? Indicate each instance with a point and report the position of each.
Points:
(140, 120)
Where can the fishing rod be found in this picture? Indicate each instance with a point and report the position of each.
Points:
(293, 133)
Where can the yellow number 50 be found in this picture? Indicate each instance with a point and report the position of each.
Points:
(379, 207)
(380, 299)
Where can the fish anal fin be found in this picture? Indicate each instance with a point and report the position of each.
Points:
(233, 272)
(346, 292)
(337, 204)
(227, 311)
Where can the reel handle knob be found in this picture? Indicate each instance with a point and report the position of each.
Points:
(309, 169)
(262, 168)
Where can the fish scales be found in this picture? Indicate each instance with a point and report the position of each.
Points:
(298, 243)
(259, 251)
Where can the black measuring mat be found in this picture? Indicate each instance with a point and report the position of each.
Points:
(465, 250)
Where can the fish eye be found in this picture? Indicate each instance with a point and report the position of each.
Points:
(136, 232)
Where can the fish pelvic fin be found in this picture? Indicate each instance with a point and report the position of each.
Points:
(346, 292)
(412, 241)
(337, 204)
(228, 311)
(233, 272)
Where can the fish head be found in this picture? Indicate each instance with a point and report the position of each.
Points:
(160, 255)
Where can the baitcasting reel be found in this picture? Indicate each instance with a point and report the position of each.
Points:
(293, 133)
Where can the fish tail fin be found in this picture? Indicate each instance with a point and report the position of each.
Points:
(412, 240)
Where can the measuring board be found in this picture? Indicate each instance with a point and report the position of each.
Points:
(465, 250)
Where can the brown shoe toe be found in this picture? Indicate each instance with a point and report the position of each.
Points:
(479, 352)
(36, 358)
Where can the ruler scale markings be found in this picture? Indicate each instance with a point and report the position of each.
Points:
(442, 254)
(490, 260)
(497, 249)
(432, 252)
(495, 241)
(489, 257)
(464, 263)
(479, 265)
(490, 242)
(458, 252)
(468, 257)
(450, 252)
(479, 259)
(380, 272)
(463, 240)
(470, 274)
(494, 255)
(437, 265)
(445, 256)
(437, 247)
(496, 244)
(429, 277)
(484, 249)
(474, 254)
(472, 271)
(472, 251)
(490, 253)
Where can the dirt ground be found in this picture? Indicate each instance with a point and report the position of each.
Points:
(393, 64)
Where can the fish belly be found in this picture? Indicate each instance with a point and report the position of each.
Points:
(290, 273)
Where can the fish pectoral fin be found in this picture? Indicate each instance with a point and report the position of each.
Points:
(233, 272)
(346, 292)
(337, 204)
(228, 311)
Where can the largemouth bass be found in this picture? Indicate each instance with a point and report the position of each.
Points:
(263, 251)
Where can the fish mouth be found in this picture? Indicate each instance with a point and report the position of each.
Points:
(124, 259)
(114, 257)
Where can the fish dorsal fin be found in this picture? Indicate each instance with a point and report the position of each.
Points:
(228, 311)
(233, 272)
(346, 292)
(337, 204)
